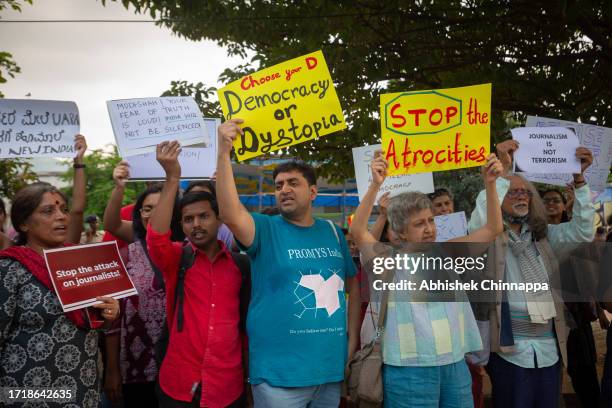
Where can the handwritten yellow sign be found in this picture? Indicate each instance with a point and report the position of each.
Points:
(445, 129)
(289, 103)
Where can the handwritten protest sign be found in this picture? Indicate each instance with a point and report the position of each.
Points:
(140, 124)
(546, 150)
(450, 226)
(35, 128)
(196, 162)
(597, 138)
(362, 157)
(286, 104)
(436, 130)
(80, 273)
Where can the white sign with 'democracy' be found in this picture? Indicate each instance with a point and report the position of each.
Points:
(546, 150)
(35, 128)
(140, 124)
(362, 157)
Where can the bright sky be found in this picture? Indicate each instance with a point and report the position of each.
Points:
(90, 63)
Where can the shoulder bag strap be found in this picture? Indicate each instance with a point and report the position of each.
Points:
(382, 313)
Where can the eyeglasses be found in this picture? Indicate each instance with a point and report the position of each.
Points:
(519, 193)
(556, 200)
(146, 210)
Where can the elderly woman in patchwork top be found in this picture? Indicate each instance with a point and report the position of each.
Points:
(424, 343)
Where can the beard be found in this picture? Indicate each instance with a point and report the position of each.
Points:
(516, 218)
(520, 210)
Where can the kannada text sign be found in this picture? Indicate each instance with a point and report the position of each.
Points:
(36, 128)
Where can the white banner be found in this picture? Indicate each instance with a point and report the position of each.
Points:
(598, 139)
(549, 150)
(140, 124)
(196, 162)
(35, 128)
(450, 226)
(362, 157)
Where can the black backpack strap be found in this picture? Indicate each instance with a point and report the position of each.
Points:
(187, 260)
(244, 265)
(158, 275)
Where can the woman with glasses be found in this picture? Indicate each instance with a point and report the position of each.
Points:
(555, 204)
(131, 368)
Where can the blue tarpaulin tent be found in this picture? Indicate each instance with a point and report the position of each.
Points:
(322, 200)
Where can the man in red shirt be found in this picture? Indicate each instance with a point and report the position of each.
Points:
(203, 362)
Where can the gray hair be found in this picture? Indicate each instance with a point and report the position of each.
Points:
(537, 218)
(403, 206)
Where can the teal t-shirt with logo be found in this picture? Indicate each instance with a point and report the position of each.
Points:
(297, 316)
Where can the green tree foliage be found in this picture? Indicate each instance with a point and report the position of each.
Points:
(15, 174)
(8, 67)
(204, 96)
(99, 171)
(548, 58)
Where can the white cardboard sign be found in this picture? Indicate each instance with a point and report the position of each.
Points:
(450, 226)
(362, 157)
(140, 124)
(597, 138)
(546, 150)
(196, 162)
(37, 128)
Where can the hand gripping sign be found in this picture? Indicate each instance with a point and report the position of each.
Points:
(83, 272)
(436, 130)
(286, 104)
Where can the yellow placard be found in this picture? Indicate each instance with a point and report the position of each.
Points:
(436, 130)
(289, 103)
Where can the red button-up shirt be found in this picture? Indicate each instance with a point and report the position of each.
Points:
(208, 349)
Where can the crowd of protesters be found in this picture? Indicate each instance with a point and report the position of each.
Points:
(237, 309)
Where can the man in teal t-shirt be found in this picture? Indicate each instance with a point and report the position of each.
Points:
(301, 268)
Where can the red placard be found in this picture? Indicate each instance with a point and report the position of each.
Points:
(83, 272)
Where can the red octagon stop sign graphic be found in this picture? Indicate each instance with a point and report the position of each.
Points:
(428, 112)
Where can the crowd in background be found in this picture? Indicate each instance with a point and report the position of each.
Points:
(211, 324)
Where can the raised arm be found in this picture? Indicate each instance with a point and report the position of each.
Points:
(580, 227)
(231, 210)
(75, 228)
(167, 155)
(112, 214)
(359, 226)
(494, 224)
(505, 153)
(381, 220)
